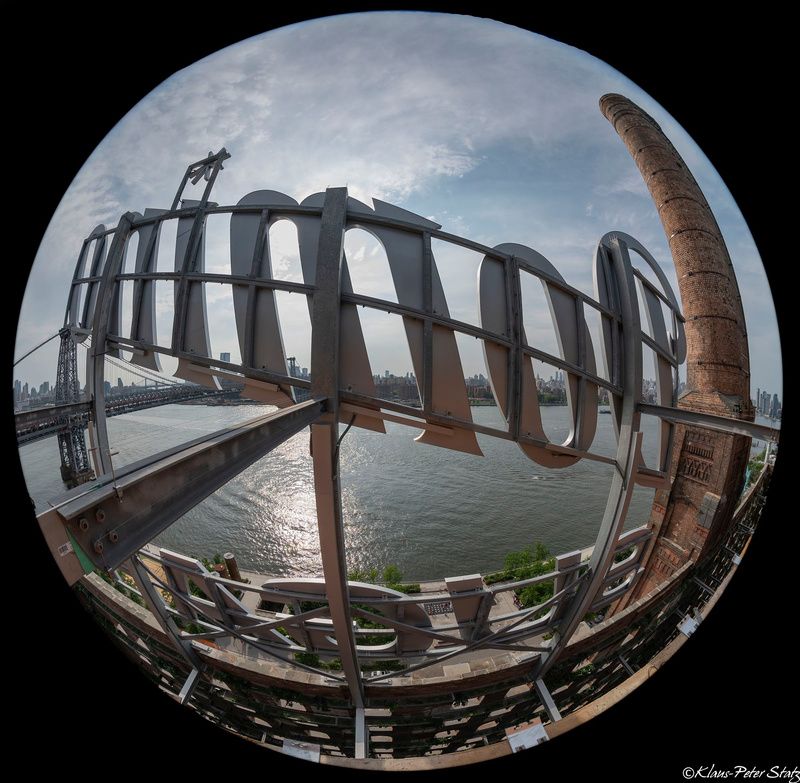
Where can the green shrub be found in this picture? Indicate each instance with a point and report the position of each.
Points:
(524, 564)
(363, 575)
(307, 658)
(620, 556)
(533, 595)
(755, 466)
(392, 575)
(196, 591)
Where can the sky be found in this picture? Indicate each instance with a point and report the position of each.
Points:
(492, 131)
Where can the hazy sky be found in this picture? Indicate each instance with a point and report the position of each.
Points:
(490, 130)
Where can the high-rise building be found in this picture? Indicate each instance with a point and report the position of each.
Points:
(225, 357)
(119, 383)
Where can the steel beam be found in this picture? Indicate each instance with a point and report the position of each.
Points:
(628, 455)
(405, 310)
(95, 278)
(720, 423)
(514, 308)
(362, 735)
(452, 421)
(628, 668)
(427, 329)
(324, 433)
(326, 301)
(188, 686)
(190, 296)
(332, 550)
(209, 362)
(259, 246)
(155, 604)
(95, 359)
(547, 700)
(119, 515)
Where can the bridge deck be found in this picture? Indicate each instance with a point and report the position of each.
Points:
(32, 425)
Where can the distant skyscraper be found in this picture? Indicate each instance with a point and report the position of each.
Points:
(775, 407)
(119, 383)
(225, 357)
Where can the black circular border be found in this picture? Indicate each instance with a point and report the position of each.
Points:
(715, 702)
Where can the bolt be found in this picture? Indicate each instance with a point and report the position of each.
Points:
(98, 546)
(83, 524)
(100, 515)
(113, 536)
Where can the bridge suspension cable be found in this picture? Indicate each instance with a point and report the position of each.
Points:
(138, 372)
(44, 342)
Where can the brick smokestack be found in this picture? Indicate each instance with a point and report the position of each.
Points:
(718, 361)
(707, 466)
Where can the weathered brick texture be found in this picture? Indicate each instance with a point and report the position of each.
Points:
(707, 466)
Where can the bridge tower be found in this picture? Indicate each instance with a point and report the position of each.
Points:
(75, 467)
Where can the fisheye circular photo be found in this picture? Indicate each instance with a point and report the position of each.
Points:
(397, 390)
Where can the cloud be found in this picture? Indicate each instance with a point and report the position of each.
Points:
(491, 128)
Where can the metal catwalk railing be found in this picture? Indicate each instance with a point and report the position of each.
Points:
(265, 703)
(413, 633)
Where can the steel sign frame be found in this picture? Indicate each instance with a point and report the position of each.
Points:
(342, 389)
